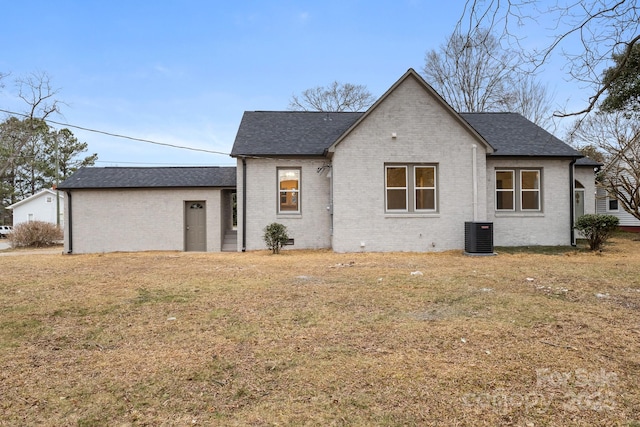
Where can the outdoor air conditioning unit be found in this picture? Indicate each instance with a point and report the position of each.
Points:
(478, 238)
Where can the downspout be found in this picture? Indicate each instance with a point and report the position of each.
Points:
(572, 202)
(69, 223)
(331, 203)
(474, 177)
(244, 204)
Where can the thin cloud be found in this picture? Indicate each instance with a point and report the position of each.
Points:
(303, 17)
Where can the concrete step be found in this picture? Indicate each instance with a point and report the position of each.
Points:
(230, 242)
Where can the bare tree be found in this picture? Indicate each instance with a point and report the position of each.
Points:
(475, 74)
(335, 97)
(617, 136)
(471, 72)
(36, 91)
(599, 28)
(533, 101)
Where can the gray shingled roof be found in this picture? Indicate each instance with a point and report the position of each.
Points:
(150, 177)
(513, 135)
(294, 133)
(290, 133)
(588, 161)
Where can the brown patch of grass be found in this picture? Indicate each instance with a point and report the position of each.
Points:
(317, 338)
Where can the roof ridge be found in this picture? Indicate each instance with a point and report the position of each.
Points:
(160, 167)
(491, 112)
(305, 112)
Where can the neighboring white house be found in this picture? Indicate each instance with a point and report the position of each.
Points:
(610, 206)
(409, 174)
(622, 170)
(42, 206)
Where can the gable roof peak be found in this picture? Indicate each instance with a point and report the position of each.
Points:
(411, 73)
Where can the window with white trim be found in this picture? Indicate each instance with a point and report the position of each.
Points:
(288, 190)
(530, 190)
(396, 183)
(518, 190)
(505, 190)
(612, 204)
(410, 188)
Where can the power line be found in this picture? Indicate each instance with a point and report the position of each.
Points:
(122, 136)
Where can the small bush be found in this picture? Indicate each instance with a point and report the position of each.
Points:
(275, 236)
(597, 228)
(35, 234)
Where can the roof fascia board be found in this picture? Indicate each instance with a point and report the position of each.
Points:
(161, 187)
(281, 156)
(532, 156)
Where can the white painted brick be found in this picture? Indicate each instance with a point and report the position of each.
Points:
(138, 220)
(309, 229)
(425, 133)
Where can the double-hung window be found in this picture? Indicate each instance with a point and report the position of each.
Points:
(518, 190)
(288, 191)
(425, 188)
(410, 188)
(530, 190)
(505, 190)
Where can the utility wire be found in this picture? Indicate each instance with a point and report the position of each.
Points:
(121, 136)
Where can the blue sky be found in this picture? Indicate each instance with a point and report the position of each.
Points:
(183, 72)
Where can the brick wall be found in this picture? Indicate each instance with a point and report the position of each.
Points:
(138, 220)
(550, 226)
(311, 228)
(425, 133)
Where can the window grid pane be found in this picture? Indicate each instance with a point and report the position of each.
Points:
(396, 200)
(397, 177)
(504, 200)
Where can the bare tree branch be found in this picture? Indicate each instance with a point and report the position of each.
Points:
(599, 28)
(335, 97)
(617, 136)
(36, 91)
(474, 73)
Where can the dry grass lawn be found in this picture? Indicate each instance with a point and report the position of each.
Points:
(317, 338)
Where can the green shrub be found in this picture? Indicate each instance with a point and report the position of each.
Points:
(597, 228)
(35, 234)
(275, 236)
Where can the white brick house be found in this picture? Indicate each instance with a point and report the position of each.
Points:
(409, 174)
(405, 176)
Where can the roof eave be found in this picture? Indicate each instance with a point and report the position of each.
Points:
(139, 187)
(497, 155)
